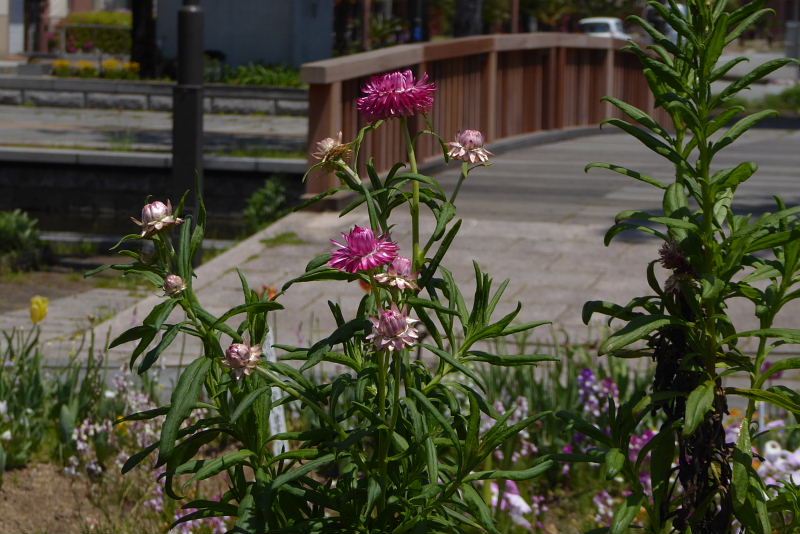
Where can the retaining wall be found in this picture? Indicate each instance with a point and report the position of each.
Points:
(48, 91)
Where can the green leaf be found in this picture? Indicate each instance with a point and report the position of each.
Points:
(132, 334)
(700, 401)
(184, 259)
(742, 465)
(508, 360)
(585, 428)
(321, 274)
(247, 401)
(781, 400)
(647, 140)
(638, 115)
(777, 367)
(301, 471)
(218, 465)
(636, 175)
(615, 461)
(446, 425)
(166, 340)
(183, 399)
(626, 513)
(458, 365)
(478, 508)
(254, 307)
(534, 471)
(788, 335)
(416, 301)
(735, 131)
(748, 79)
(606, 308)
(340, 335)
(637, 329)
(443, 215)
(733, 177)
(430, 269)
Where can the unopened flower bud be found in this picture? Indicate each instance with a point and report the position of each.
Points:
(242, 359)
(155, 211)
(468, 147)
(155, 217)
(173, 285)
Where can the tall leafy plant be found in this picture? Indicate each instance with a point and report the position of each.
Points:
(700, 482)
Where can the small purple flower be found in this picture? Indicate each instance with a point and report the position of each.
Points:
(400, 275)
(242, 359)
(155, 217)
(468, 146)
(513, 503)
(362, 251)
(393, 330)
(396, 95)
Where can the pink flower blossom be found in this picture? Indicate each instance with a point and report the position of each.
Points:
(393, 330)
(396, 95)
(242, 359)
(155, 217)
(399, 275)
(468, 146)
(362, 251)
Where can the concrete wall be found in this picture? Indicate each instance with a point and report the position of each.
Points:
(291, 32)
(155, 96)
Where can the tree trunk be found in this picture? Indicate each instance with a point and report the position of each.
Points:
(143, 41)
(468, 18)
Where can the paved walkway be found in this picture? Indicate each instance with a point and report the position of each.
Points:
(534, 216)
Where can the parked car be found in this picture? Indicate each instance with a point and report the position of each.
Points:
(603, 27)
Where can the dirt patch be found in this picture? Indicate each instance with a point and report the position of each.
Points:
(57, 281)
(41, 498)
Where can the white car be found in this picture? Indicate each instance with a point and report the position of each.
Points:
(603, 27)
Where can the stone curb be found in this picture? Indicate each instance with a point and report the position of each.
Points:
(147, 96)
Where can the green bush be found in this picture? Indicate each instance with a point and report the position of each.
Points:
(19, 240)
(266, 205)
(786, 100)
(252, 74)
(106, 40)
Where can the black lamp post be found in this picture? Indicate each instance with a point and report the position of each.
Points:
(187, 106)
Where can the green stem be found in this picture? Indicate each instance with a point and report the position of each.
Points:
(464, 172)
(412, 160)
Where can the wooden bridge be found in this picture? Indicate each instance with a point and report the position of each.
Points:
(504, 85)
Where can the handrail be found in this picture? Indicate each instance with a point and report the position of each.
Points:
(503, 85)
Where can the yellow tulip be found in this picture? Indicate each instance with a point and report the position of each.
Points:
(38, 308)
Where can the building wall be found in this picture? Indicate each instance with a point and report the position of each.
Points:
(15, 36)
(290, 32)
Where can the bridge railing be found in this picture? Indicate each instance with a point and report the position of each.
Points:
(503, 85)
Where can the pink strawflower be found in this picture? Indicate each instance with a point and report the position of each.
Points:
(242, 359)
(393, 330)
(362, 251)
(468, 146)
(400, 275)
(155, 217)
(396, 95)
